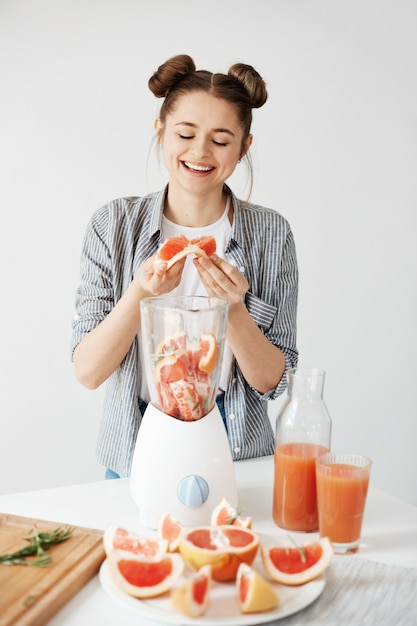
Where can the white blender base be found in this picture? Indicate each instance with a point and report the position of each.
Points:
(185, 468)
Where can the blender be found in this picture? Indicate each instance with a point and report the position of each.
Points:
(182, 461)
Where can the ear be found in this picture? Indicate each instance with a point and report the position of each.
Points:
(246, 145)
(159, 128)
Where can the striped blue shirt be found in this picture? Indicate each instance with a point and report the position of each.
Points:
(119, 238)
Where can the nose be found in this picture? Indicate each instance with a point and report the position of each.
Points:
(200, 147)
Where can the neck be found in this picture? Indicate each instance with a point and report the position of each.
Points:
(194, 210)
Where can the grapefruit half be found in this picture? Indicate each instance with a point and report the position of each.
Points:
(222, 547)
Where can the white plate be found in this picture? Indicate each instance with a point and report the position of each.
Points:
(223, 605)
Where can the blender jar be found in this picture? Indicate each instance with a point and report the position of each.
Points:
(183, 339)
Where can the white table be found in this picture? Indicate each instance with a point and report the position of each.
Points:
(389, 532)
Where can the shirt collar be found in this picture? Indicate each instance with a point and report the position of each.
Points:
(156, 211)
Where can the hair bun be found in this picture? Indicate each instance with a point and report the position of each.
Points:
(169, 72)
(252, 82)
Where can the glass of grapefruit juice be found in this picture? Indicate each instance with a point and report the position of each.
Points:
(294, 501)
(342, 485)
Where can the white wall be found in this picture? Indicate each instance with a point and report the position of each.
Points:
(334, 151)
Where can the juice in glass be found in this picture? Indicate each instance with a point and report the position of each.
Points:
(295, 498)
(342, 486)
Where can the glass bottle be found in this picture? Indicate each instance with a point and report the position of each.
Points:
(303, 432)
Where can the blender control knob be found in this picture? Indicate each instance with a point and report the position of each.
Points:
(193, 491)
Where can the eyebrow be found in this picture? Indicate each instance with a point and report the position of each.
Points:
(215, 130)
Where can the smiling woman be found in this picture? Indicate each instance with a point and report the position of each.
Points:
(204, 129)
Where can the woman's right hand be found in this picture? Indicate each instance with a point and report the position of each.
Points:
(154, 278)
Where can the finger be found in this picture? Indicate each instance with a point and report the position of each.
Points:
(222, 271)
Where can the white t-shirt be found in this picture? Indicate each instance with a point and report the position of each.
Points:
(191, 284)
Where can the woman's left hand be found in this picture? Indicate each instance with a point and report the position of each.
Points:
(221, 279)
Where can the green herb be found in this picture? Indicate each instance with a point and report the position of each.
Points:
(234, 517)
(300, 550)
(39, 543)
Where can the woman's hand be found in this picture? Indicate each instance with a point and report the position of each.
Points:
(154, 279)
(221, 279)
(262, 363)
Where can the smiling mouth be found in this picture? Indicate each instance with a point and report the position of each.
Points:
(194, 167)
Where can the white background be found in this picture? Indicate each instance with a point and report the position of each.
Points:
(334, 151)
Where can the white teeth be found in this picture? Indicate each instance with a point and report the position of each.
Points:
(198, 168)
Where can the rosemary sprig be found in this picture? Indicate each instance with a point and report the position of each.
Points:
(39, 543)
(300, 549)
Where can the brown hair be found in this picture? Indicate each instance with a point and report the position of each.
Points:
(242, 87)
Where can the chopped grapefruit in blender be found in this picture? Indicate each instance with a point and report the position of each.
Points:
(189, 403)
(209, 353)
(171, 368)
(176, 248)
(183, 375)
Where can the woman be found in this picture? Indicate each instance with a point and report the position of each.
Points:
(203, 130)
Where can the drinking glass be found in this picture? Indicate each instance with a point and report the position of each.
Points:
(342, 485)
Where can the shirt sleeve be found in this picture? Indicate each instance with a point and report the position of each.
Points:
(95, 295)
(275, 311)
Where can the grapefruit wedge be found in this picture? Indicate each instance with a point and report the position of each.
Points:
(169, 530)
(145, 578)
(176, 248)
(254, 593)
(298, 565)
(209, 351)
(222, 547)
(193, 597)
(119, 538)
(224, 513)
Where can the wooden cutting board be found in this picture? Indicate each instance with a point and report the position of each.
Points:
(30, 596)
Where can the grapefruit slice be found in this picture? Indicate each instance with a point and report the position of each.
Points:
(296, 566)
(209, 350)
(169, 530)
(193, 597)
(224, 513)
(254, 593)
(222, 547)
(145, 578)
(119, 538)
(172, 344)
(176, 248)
(171, 368)
(205, 243)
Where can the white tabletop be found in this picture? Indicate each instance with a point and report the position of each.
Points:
(389, 531)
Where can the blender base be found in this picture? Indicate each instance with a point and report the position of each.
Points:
(185, 468)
